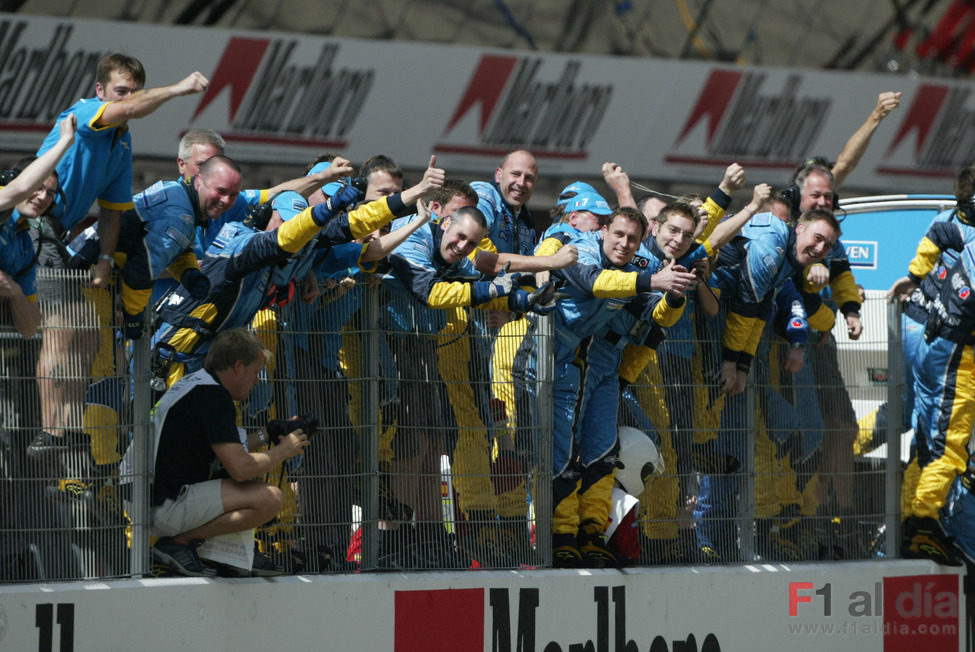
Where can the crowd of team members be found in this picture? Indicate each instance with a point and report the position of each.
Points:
(467, 284)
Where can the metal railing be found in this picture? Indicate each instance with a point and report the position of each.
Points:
(434, 450)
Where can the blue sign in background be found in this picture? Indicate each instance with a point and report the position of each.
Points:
(881, 240)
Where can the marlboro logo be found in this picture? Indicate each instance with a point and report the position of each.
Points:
(742, 121)
(518, 104)
(274, 98)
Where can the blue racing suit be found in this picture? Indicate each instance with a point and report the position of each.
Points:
(597, 291)
(749, 272)
(945, 401)
(508, 232)
(239, 264)
(937, 252)
(157, 234)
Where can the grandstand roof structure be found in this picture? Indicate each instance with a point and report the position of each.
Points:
(931, 37)
(906, 39)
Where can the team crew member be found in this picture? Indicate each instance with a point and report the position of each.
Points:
(749, 273)
(433, 266)
(606, 277)
(198, 145)
(238, 260)
(32, 188)
(158, 234)
(945, 410)
(937, 252)
(675, 357)
(316, 382)
(238, 264)
(99, 165)
(672, 250)
(466, 361)
(510, 228)
(814, 187)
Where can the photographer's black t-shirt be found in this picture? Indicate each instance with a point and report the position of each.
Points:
(203, 417)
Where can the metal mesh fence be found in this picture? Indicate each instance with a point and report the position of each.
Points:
(66, 398)
(434, 440)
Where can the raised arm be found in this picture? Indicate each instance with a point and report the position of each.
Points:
(433, 178)
(32, 176)
(307, 185)
(619, 181)
(726, 230)
(384, 245)
(491, 263)
(143, 102)
(857, 144)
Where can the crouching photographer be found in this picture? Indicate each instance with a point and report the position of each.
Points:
(195, 425)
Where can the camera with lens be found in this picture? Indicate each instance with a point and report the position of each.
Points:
(278, 428)
(8, 175)
(359, 183)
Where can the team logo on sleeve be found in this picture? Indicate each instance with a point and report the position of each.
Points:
(964, 292)
(640, 261)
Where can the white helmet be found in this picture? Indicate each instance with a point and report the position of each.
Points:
(640, 458)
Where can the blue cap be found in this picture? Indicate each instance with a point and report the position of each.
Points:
(588, 201)
(319, 167)
(288, 204)
(573, 189)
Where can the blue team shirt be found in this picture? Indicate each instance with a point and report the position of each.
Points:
(509, 232)
(98, 166)
(17, 253)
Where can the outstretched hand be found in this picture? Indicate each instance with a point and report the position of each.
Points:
(68, 126)
(886, 102)
(544, 299)
(433, 177)
(195, 82)
(673, 278)
(734, 179)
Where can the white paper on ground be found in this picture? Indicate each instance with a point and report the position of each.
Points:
(236, 549)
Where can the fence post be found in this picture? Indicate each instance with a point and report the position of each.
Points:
(895, 394)
(746, 502)
(142, 454)
(544, 427)
(369, 422)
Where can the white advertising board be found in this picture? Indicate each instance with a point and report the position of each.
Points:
(280, 97)
(868, 606)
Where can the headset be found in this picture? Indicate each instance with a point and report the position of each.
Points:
(9, 174)
(965, 210)
(793, 194)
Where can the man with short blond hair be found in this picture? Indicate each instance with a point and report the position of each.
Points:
(195, 422)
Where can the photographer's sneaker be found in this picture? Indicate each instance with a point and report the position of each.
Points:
(924, 539)
(181, 557)
(264, 566)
